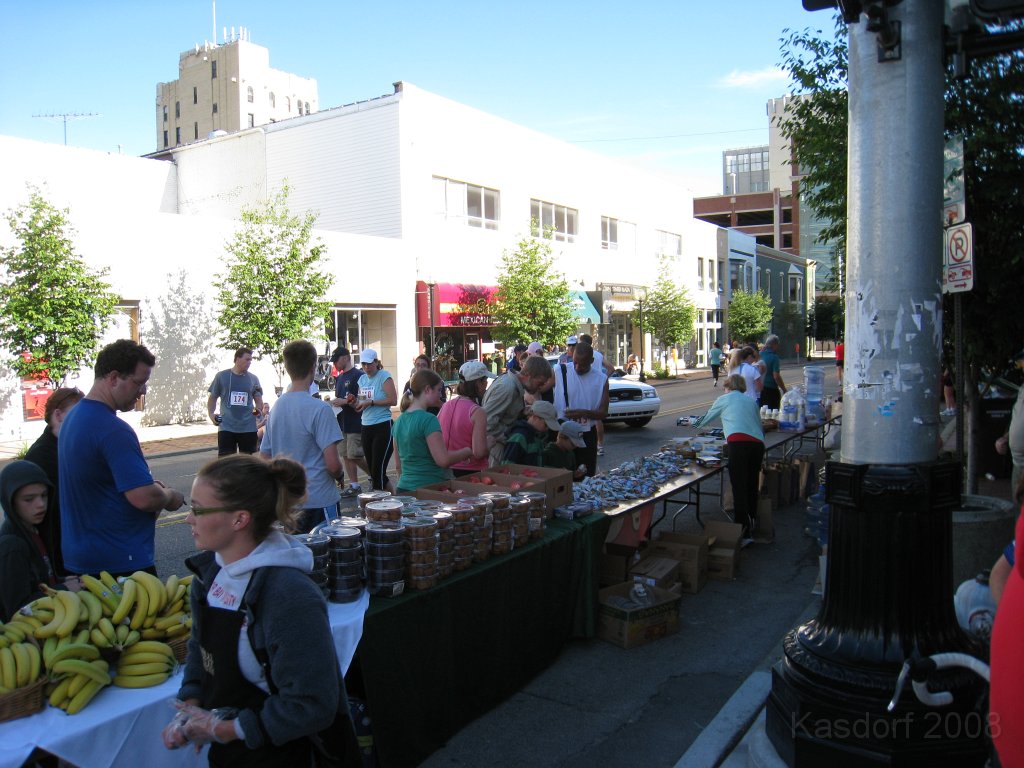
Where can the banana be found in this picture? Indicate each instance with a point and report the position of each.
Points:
(72, 605)
(4, 642)
(8, 673)
(83, 697)
(81, 637)
(169, 621)
(44, 603)
(142, 657)
(171, 587)
(83, 612)
(155, 589)
(35, 662)
(149, 622)
(93, 606)
(110, 582)
(180, 594)
(49, 648)
(131, 638)
(29, 622)
(101, 590)
(153, 634)
(83, 651)
(62, 641)
(14, 632)
(121, 632)
(60, 693)
(21, 662)
(98, 639)
(141, 607)
(177, 629)
(78, 682)
(106, 627)
(153, 646)
(126, 604)
(141, 681)
(176, 607)
(79, 667)
(138, 670)
(187, 579)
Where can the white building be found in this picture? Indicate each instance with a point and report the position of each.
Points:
(411, 189)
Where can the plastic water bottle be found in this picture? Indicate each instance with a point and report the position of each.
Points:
(814, 381)
(975, 608)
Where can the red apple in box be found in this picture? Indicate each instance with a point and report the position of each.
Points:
(487, 480)
(515, 486)
(529, 473)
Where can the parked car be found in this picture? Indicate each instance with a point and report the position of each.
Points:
(628, 401)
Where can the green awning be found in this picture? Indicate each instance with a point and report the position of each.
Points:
(584, 310)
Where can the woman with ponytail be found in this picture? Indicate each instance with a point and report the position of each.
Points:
(422, 454)
(254, 686)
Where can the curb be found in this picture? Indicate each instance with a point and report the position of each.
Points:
(181, 452)
(730, 725)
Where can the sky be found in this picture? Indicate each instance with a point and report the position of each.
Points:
(664, 84)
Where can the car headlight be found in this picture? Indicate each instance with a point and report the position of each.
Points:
(652, 392)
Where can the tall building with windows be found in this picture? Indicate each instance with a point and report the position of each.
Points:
(745, 170)
(227, 87)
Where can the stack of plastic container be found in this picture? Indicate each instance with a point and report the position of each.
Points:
(538, 512)
(482, 526)
(317, 543)
(464, 526)
(421, 555)
(345, 568)
(520, 519)
(445, 542)
(501, 527)
(385, 558)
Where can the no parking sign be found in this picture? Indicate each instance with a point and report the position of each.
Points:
(958, 259)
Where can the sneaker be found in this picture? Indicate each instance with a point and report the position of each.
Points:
(349, 491)
(745, 543)
(600, 450)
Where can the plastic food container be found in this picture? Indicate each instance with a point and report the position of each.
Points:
(384, 550)
(385, 533)
(460, 512)
(341, 537)
(500, 499)
(365, 498)
(384, 510)
(316, 542)
(378, 565)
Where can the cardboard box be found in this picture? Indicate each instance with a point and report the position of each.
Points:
(723, 549)
(613, 569)
(656, 571)
(627, 625)
(764, 531)
(557, 483)
(692, 554)
(443, 492)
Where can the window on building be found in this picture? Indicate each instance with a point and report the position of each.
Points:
(609, 233)
(177, 136)
(553, 221)
(288, 104)
(475, 205)
(787, 240)
(177, 110)
(668, 244)
(165, 139)
(215, 107)
(700, 274)
(213, 69)
(273, 101)
(248, 94)
(743, 162)
(307, 107)
(195, 95)
(730, 164)
(195, 129)
(165, 113)
(795, 286)
(782, 288)
(759, 186)
(252, 119)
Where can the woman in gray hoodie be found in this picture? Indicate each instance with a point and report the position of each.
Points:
(258, 679)
(25, 564)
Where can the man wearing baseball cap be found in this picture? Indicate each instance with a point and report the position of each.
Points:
(561, 454)
(346, 389)
(1013, 440)
(570, 345)
(505, 399)
(535, 348)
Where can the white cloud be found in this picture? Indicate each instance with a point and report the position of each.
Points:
(757, 77)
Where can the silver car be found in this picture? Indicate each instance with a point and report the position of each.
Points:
(629, 401)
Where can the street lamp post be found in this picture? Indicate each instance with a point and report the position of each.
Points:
(430, 306)
(641, 294)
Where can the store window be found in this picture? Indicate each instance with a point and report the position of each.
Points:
(668, 244)
(609, 233)
(472, 204)
(552, 221)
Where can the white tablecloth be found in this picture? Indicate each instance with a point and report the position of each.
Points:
(121, 728)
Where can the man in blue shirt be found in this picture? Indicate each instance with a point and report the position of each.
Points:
(772, 385)
(109, 500)
(346, 389)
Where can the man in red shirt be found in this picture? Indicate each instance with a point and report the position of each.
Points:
(840, 354)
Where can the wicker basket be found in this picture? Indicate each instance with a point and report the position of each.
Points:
(23, 701)
(180, 647)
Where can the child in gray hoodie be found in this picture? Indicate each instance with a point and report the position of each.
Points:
(25, 564)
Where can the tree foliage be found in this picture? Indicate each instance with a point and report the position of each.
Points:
(53, 307)
(532, 302)
(669, 314)
(273, 290)
(750, 315)
(826, 319)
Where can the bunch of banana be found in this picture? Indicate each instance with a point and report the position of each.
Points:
(156, 609)
(68, 610)
(105, 589)
(106, 635)
(76, 677)
(147, 663)
(20, 627)
(20, 665)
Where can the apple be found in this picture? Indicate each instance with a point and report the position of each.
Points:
(487, 480)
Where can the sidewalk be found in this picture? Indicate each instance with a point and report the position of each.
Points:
(171, 439)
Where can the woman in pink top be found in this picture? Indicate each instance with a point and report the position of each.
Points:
(464, 422)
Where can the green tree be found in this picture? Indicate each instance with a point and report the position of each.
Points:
(669, 314)
(53, 307)
(750, 315)
(273, 289)
(532, 302)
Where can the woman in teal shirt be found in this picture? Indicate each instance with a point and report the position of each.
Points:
(377, 394)
(422, 456)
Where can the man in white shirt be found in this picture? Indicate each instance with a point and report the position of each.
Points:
(750, 372)
(581, 395)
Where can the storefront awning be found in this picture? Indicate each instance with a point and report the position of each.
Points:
(584, 310)
(455, 304)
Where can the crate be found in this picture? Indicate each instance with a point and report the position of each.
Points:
(23, 702)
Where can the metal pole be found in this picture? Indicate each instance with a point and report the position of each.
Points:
(889, 591)
(430, 304)
(958, 381)
(643, 340)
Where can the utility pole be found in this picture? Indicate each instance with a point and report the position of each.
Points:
(889, 587)
(65, 116)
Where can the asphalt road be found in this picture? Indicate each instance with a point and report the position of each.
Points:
(174, 540)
